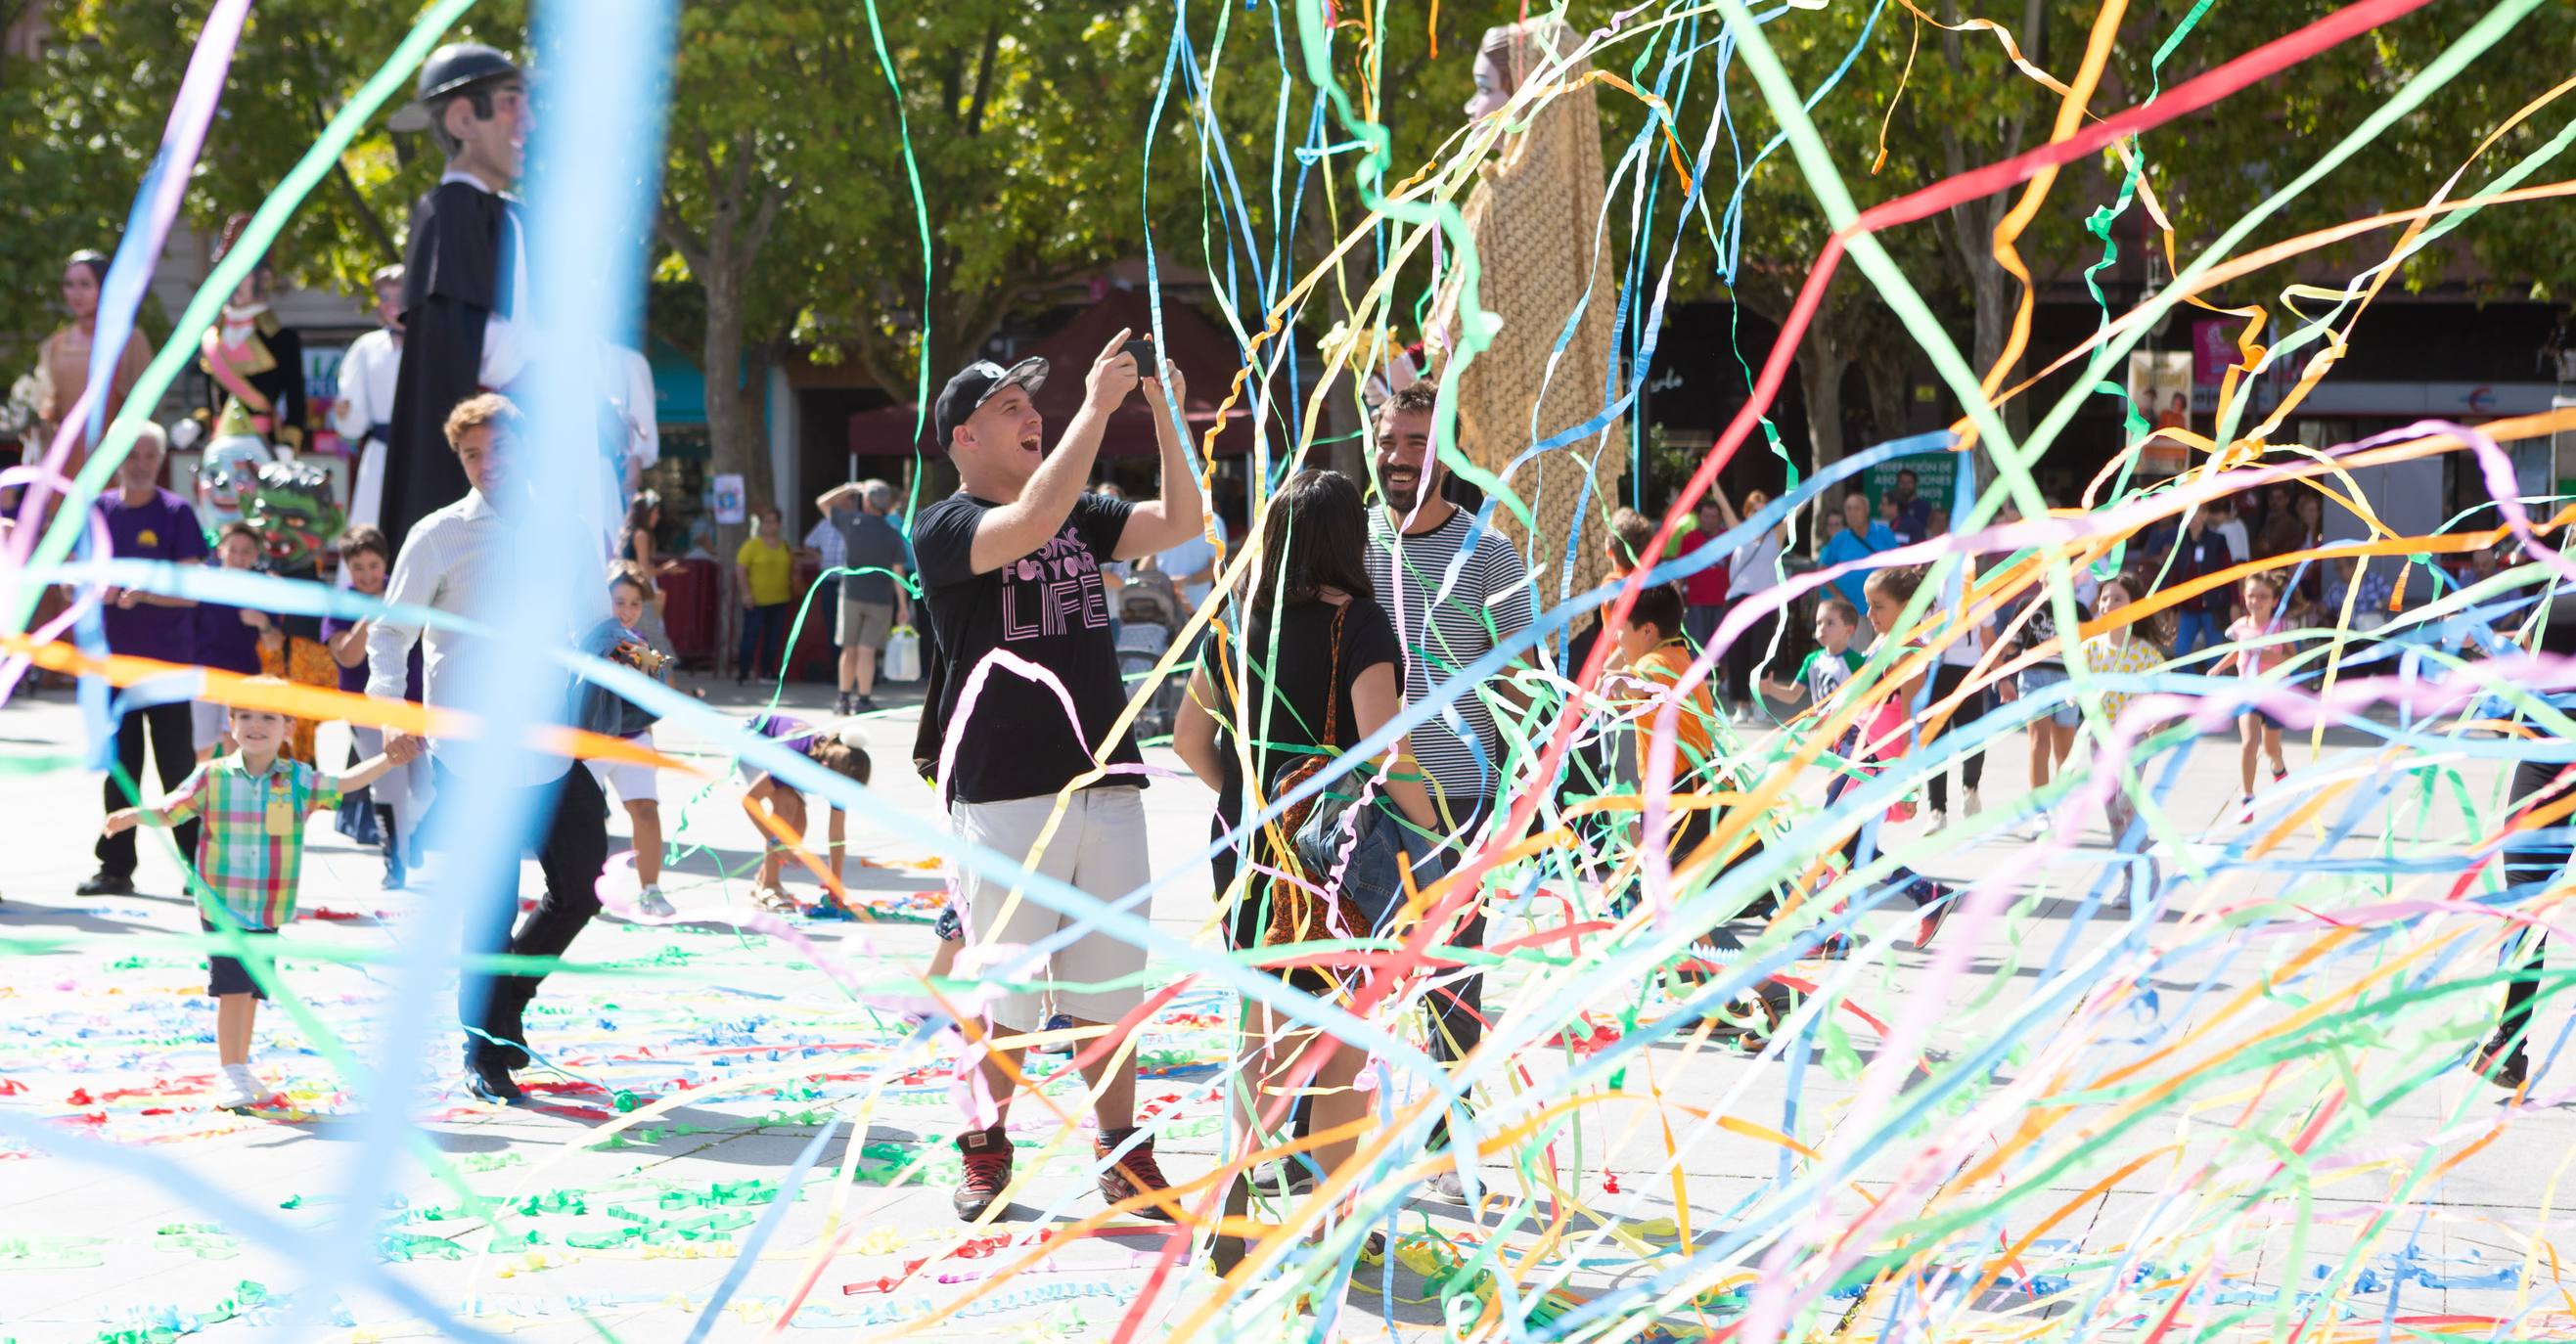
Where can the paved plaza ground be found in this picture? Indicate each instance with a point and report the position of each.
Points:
(130, 1210)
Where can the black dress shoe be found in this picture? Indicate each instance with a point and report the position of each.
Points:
(488, 1081)
(105, 883)
(2501, 1062)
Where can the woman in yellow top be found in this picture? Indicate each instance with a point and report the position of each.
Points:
(764, 573)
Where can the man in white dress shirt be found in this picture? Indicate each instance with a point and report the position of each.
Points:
(365, 412)
(455, 560)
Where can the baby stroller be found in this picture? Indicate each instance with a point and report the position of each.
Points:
(1149, 612)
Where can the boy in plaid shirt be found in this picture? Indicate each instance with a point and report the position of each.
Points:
(250, 852)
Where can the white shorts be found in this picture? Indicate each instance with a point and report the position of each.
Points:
(634, 783)
(1099, 848)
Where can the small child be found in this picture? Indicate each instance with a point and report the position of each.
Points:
(2129, 650)
(249, 859)
(2257, 729)
(1830, 663)
(229, 638)
(366, 557)
(629, 599)
(1654, 654)
(839, 752)
(1879, 735)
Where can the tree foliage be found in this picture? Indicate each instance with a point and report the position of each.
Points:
(788, 212)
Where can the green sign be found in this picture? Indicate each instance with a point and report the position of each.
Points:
(1936, 475)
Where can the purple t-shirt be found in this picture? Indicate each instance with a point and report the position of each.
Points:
(787, 731)
(354, 679)
(161, 528)
(224, 642)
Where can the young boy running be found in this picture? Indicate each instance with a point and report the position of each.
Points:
(1831, 663)
(250, 855)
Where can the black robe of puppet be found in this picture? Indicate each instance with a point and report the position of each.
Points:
(456, 275)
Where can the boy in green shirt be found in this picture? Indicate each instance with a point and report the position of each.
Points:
(1833, 661)
(250, 859)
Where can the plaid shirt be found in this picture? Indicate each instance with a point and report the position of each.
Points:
(249, 871)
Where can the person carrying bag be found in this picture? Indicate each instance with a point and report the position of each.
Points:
(1315, 672)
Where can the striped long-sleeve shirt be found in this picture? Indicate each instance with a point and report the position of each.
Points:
(1445, 631)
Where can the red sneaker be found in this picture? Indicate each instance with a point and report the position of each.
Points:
(1134, 1173)
(1935, 912)
(987, 1153)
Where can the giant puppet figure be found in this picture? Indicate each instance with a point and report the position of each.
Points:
(1533, 214)
(365, 413)
(464, 273)
(252, 367)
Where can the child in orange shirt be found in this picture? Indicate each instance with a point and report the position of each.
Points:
(1652, 658)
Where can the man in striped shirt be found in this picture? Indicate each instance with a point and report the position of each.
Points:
(1456, 595)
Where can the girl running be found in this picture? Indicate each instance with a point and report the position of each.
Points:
(2259, 731)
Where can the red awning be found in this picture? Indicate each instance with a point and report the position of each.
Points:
(1207, 356)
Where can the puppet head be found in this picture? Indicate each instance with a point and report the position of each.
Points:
(473, 101)
(254, 287)
(290, 505)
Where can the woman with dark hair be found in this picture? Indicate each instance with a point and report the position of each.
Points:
(1316, 669)
(62, 362)
(635, 542)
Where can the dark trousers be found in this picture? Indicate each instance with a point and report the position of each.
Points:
(1699, 621)
(1455, 1012)
(2528, 950)
(1946, 679)
(764, 640)
(1746, 651)
(1920, 891)
(572, 850)
(174, 754)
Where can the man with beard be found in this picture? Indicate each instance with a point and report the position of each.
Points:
(1446, 626)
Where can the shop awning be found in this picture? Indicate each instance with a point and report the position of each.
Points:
(1207, 357)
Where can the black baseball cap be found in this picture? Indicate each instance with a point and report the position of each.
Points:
(976, 384)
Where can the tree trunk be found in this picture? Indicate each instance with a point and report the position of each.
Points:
(734, 421)
(1347, 453)
(1882, 368)
(1993, 287)
(1822, 361)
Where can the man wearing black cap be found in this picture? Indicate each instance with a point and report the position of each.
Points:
(1010, 564)
(463, 275)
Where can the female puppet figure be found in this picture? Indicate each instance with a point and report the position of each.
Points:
(254, 368)
(62, 362)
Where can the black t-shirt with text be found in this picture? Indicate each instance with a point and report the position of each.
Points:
(1047, 607)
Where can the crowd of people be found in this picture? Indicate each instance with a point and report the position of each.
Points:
(1352, 609)
(1030, 584)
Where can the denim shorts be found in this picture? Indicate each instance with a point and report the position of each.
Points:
(2033, 680)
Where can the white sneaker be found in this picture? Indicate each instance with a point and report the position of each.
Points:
(1971, 805)
(1448, 1186)
(239, 1089)
(650, 901)
(2038, 827)
(1934, 820)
